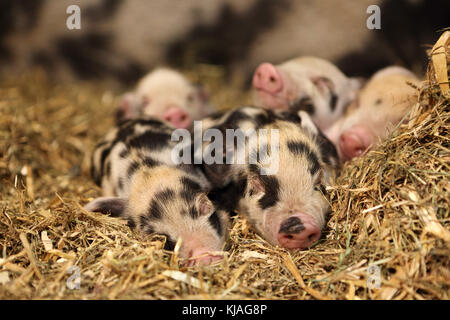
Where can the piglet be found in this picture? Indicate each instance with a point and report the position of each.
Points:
(278, 182)
(165, 94)
(142, 184)
(381, 104)
(305, 83)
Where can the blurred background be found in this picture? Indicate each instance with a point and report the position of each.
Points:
(120, 40)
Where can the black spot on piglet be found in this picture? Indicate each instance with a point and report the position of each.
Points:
(190, 188)
(151, 140)
(124, 153)
(291, 116)
(169, 244)
(292, 225)
(149, 162)
(130, 223)
(165, 196)
(215, 222)
(272, 189)
(155, 210)
(300, 148)
(193, 212)
(303, 104)
(132, 168)
(333, 101)
(327, 149)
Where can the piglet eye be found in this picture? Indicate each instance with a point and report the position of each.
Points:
(320, 187)
(190, 98)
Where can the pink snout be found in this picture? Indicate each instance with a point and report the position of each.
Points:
(177, 117)
(354, 142)
(201, 256)
(299, 231)
(267, 78)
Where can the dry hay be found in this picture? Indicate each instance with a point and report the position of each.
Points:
(391, 210)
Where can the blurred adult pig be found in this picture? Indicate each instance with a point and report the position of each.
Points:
(325, 89)
(381, 104)
(167, 95)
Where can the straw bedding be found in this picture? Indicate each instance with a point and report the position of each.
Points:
(390, 210)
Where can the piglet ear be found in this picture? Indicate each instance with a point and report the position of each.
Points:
(255, 187)
(113, 205)
(307, 123)
(203, 205)
(323, 84)
(128, 107)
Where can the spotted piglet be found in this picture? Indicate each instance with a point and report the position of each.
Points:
(278, 184)
(305, 83)
(380, 105)
(141, 184)
(165, 94)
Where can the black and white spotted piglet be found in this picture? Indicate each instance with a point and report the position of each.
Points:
(141, 184)
(280, 188)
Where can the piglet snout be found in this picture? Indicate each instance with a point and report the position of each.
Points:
(298, 232)
(177, 117)
(267, 78)
(354, 142)
(201, 256)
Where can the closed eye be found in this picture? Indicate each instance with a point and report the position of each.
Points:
(169, 244)
(318, 186)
